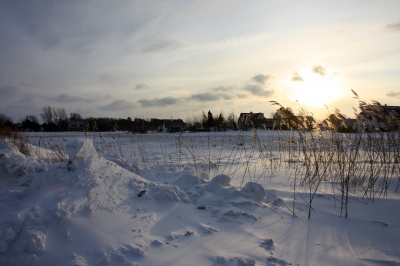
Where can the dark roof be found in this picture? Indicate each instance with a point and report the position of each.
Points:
(170, 123)
(251, 115)
(394, 110)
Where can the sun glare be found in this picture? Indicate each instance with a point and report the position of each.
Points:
(315, 91)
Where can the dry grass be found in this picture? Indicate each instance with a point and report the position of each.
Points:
(13, 136)
(47, 148)
(358, 164)
(343, 166)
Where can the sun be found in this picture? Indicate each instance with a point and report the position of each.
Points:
(315, 91)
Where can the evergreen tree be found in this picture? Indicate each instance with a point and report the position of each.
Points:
(204, 120)
(221, 122)
(30, 122)
(6, 120)
(210, 119)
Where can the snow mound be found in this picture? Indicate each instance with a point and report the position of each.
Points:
(272, 261)
(46, 155)
(219, 192)
(121, 162)
(166, 192)
(109, 184)
(31, 241)
(236, 261)
(208, 230)
(188, 180)
(267, 244)
(17, 163)
(81, 153)
(254, 190)
(86, 183)
(220, 181)
(77, 261)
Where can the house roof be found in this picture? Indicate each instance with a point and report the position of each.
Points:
(252, 116)
(394, 110)
(174, 123)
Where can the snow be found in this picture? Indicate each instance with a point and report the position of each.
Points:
(100, 208)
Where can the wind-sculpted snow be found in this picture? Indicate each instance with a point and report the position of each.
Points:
(96, 208)
(95, 181)
(85, 183)
(17, 163)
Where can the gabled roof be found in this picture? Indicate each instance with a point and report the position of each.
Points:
(393, 110)
(170, 123)
(251, 116)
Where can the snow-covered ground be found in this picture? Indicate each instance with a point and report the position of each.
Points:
(172, 199)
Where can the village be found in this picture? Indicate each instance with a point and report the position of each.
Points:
(370, 119)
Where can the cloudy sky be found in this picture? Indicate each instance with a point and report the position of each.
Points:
(178, 58)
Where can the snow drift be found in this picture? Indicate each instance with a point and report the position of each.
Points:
(49, 200)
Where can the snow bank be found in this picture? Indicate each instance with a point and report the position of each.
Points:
(98, 209)
(254, 190)
(84, 184)
(17, 163)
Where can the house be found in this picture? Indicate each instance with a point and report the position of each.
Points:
(345, 125)
(392, 110)
(77, 125)
(379, 117)
(255, 120)
(172, 125)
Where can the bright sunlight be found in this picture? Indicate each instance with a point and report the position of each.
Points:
(315, 91)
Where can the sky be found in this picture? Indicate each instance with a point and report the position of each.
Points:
(163, 59)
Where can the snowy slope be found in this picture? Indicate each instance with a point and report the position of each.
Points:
(95, 210)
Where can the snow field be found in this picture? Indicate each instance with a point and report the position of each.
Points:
(99, 208)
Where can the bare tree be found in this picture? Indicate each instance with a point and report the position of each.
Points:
(47, 115)
(59, 115)
(231, 120)
(55, 118)
(5, 120)
(60, 118)
(76, 121)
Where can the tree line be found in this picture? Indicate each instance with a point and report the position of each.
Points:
(57, 119)
(208, 122)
